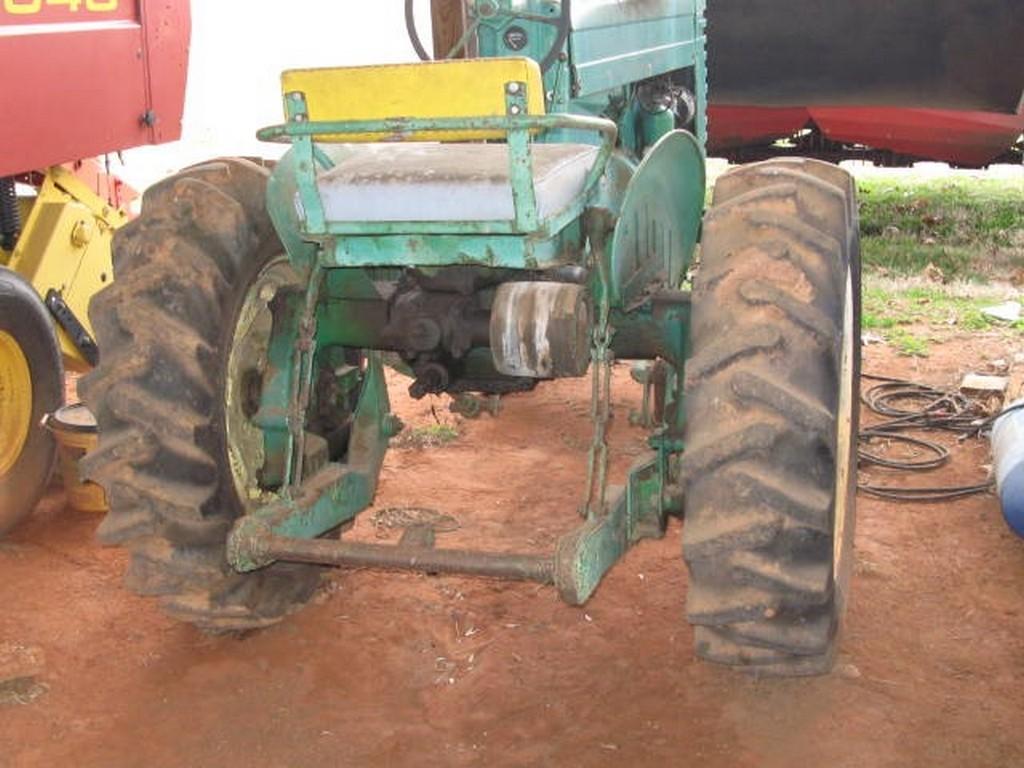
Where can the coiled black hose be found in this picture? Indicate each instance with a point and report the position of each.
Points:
(913, 406)
(10, 214)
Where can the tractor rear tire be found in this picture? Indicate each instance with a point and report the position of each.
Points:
(31, 386)
(769, 471)
(166, 324)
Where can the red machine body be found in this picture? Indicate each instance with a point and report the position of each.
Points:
(85, 77)
(963, 138)
(908, 79)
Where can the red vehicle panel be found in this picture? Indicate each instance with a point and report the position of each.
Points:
(967, 138)
(84, 77)
(736, 126)
(963, 138)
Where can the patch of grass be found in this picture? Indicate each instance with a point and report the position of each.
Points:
(950, 208)
(969, 228)
(972, 319)
(909, 345)
(430, 436)
(872, 322)
(902, 255)
(879, 311)
(936, 306)
(895, 307)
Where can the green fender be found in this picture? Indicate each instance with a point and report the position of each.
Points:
(659, 224)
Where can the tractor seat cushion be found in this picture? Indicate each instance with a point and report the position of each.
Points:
(447, 182)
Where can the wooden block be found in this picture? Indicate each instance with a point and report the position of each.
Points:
(976, 382)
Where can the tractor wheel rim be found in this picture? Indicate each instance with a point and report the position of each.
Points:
(844, 428)
(247, 362)
(15, 401)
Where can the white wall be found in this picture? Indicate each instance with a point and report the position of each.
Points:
(239, 48)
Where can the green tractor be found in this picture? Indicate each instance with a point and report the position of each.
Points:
(530, 211)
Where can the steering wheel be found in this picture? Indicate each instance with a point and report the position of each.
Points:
(484, 10)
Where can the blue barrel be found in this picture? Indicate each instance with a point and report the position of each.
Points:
(1008, 450)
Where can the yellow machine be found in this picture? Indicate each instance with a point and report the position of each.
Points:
(116, 82)
(50, 268)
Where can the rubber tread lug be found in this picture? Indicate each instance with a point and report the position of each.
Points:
(713, 359)
(803, 314)
(747, 440)
(809, 580)
(786, 401)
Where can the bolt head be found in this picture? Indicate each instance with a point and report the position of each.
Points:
(513, 87)
(485, 9)
(82, 233)
(514, 110)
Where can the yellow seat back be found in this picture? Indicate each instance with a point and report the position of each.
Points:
(439, 89)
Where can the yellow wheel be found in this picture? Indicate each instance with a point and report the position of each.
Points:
(31, 385)
(15, 401)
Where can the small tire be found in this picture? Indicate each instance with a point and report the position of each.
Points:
(769, 471)
(166, 325)
(28, 343)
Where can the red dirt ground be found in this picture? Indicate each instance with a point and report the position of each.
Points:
(404, 670)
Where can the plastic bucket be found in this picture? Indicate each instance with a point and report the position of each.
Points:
(74, 428)
(1008, 452)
